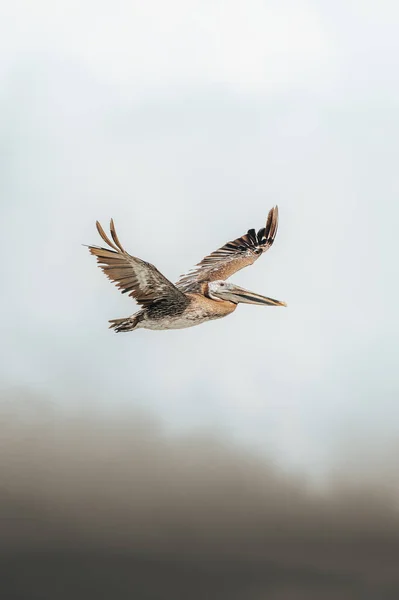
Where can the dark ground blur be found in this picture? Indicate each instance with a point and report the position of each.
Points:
(113, 508)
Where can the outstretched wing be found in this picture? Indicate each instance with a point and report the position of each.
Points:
(233, 256)
(132, 276)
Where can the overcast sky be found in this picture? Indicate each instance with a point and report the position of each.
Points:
(185, 122)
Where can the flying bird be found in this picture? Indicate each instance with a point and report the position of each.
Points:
(203, 294)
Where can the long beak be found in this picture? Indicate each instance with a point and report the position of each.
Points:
(239, 294)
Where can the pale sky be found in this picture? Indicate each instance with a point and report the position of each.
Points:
(185, 122)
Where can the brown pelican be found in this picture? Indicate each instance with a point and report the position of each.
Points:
(200, 295)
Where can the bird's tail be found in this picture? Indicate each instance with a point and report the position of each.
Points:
(125, 324)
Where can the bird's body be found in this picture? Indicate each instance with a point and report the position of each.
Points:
(201, 295)
(169, 315)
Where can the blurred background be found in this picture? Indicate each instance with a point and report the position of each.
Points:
(253, 455)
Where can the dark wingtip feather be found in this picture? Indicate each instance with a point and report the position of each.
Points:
(271, 225)
(252, 236)
(115, 236)
(105, 237)
(261, 234)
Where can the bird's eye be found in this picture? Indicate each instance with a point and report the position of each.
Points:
(222, 284)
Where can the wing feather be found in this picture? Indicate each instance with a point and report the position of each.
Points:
(133, 276)
(233, 256)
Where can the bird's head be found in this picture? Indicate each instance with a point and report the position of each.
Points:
(223, 290)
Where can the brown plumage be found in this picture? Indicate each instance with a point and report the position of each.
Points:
(131, 275)
(198, 296)
(233, 256)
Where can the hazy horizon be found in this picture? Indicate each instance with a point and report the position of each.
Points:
(115, 506)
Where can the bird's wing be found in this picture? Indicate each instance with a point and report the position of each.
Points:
(131, 275)
(233, 256)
